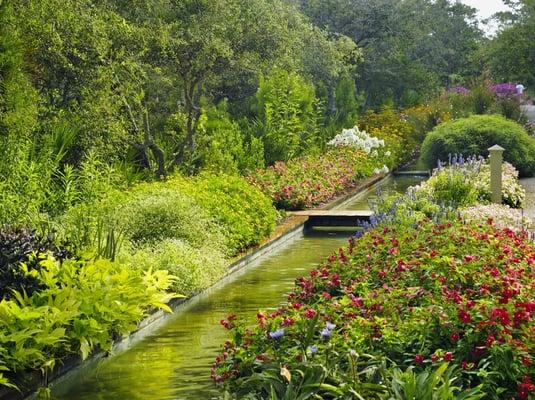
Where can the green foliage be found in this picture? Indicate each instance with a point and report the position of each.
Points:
(84, 306)
(288, 115)
(453, 188)
(481, 98)
(220, 141)
(474, 135)
(193, 268)
(347, 103)
(510, 55)
(245, 214)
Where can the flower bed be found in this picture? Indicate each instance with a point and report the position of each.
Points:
(464, 182)
(442, 310)
(309, 181)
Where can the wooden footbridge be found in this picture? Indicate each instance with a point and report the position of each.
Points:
(334, 218)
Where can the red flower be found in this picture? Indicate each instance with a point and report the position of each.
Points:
(310, 313)
(525, 388)
(226, 324)
(448, 356)
(434, 358)
(464, 316)
(288, 322)
(419, 359)
(469, 258)
(454, 337)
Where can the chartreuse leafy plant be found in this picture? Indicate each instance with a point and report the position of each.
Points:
(82, 306)
(426, 310)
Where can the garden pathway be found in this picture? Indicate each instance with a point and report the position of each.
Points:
(529, 110)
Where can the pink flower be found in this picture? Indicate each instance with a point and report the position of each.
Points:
(310, 313)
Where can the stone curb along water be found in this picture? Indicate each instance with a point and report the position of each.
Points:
(290, 228)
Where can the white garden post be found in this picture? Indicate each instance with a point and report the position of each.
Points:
(496, 160)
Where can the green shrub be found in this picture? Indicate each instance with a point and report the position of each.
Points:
(474, 135)
(453, 188)
(153, 212)
(287, 115)
(220, 141)
(193, 268)
(245, 214)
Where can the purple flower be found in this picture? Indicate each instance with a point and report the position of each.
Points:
(313, 349)
(276, 334)
(325, 333)
(330, 326)
(459, 90)
(504, 89)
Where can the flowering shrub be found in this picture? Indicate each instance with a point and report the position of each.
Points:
(465, 182)
(424, 118)
(357, 139)
(503, 216)
(449, 306)
(311, 180)
(397, 133)
(504, 89)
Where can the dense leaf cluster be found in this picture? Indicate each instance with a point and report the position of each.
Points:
(23, 246)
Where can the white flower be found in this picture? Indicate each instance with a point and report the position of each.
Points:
(358, 139)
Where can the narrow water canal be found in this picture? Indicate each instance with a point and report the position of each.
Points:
(174, 362)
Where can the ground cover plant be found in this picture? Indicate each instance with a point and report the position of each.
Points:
(432, 310)
(474, 135)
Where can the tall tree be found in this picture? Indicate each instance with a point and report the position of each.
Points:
(511, 54)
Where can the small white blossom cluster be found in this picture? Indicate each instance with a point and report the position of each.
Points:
(512, 191)
(502, 216)
(358, 139)
(383, 170)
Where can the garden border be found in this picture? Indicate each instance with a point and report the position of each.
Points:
(289, 229)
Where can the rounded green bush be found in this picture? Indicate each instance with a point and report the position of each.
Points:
(245, 214)
(193, 268)
(152, 213)
(474, 135)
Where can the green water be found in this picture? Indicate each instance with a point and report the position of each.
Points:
(174, 362)
(391, 184)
